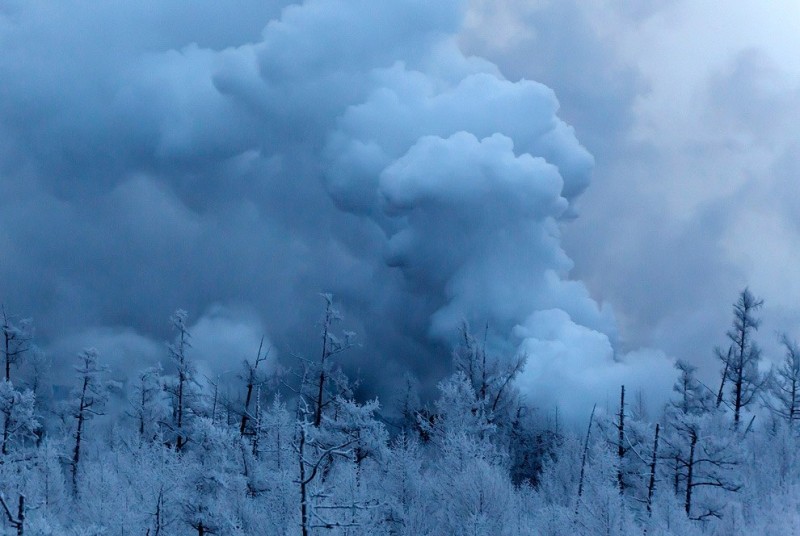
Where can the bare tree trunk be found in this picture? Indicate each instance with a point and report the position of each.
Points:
(303, 484)
(483, 363)
(621, 440)
(721, 391)
(249, 395)
(179, 442)
(21, 516)
(178, 355)
(583, 458)
(7, 426)
(677, 473)
(158, 520)
(321, 390)
(652, 484)
(251, 379)
(76, 452)
(737, 400)
(690, 473)
(257, 431)
(7, 338)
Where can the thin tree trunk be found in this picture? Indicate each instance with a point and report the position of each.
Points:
(6, 426)
(76, 453)
(141, 412)
(159, 501)
(677, 473)
(690, 474)
(323, 358)
(620, 440)
(721, 391)
(257, 431)
(303, 483)
(21, 516)
(583, 458)
(737, 401)
(740, 363)
(243, 425)
(181, 381)
(18, 522)
(8, 355)
(251, 379)
(652, 484)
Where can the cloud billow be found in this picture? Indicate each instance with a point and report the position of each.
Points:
(351, 147)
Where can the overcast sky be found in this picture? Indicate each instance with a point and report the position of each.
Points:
(595, 181)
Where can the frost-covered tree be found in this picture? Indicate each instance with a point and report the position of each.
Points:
(253, 380)
(326, 374)
(700, 453)
(784, 384)
(331, 457)
(602, 509)
(465, 469)
(313, 453)
(471, 483)
(409, 404)
(629, 439)
(17, 336)
(150, 407)
(213, 479)
(88, 400)
(183, 385)
(740, 363)
(707, 459)
(404, 487)
(492, 378)
(693, 398)
(19, 416)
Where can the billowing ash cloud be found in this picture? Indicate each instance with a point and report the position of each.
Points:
(350, 148)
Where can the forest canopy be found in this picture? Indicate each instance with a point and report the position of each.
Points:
(292, 450)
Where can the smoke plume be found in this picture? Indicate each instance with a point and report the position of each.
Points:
(350, 147)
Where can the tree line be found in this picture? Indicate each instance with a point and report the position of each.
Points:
(293, 451)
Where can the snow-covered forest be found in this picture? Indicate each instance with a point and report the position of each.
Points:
(292, 451)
